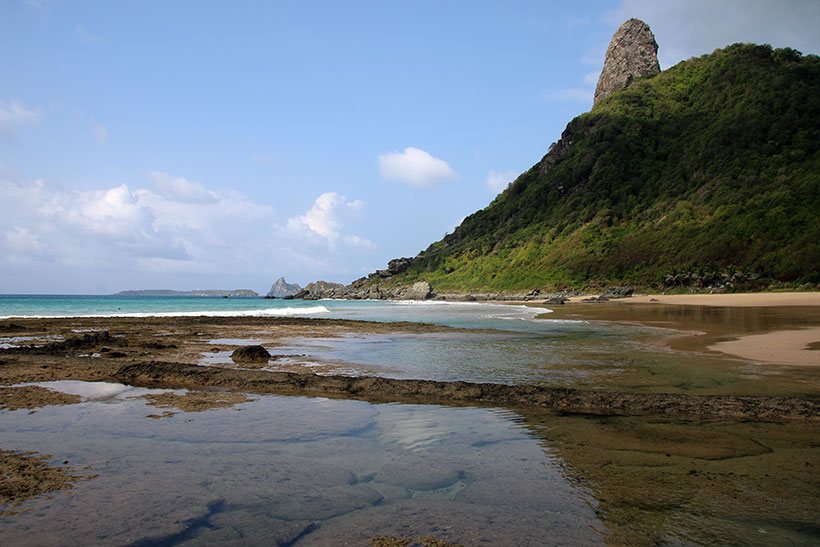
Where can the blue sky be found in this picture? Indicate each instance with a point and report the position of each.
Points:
(223, 144)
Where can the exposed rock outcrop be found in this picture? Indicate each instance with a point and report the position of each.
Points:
(281, 289)
(319, 290)
(419, 291)
(557, 399)
(632, 53)
(250, 354)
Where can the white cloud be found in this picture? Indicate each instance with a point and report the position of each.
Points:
(174, 231)
(324, 218)
(499, 180)
(100, 133)
(415, 167)
(181, 189)
(686, 28)
(20, 239)
(14, 114)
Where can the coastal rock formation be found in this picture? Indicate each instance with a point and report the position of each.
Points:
(281, 289)
(250, 354)
(319, 290)
(419, 291)
(557, 399)
(632, 53)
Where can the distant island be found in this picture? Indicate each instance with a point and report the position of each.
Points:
(218, 293)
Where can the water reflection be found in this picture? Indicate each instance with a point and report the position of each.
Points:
(292, 469)
(618, 358)
(305, 471)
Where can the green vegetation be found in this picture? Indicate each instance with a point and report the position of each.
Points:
(712, 165)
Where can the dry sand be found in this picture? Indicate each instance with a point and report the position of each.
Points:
(783, 347)
(743, 300)
(799, 347)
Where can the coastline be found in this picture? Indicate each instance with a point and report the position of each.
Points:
(786, 333)
(156, 352)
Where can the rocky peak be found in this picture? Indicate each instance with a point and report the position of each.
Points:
(632, 53)
(281, 289)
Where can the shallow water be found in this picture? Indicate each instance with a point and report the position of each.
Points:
(313, 471)
(587, 355)
(283, 469)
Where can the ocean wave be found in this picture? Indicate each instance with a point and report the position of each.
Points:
(268, 312)
(518, 307)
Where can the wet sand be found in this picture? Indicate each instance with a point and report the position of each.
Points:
(787, 347)
(772, 328)
(734, 300)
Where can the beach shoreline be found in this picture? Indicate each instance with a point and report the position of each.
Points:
(769, 342)
(153, 352)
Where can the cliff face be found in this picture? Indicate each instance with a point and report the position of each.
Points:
(632, 53)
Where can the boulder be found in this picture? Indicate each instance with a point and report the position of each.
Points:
(250, 354)
(619, 292)
(419, 291)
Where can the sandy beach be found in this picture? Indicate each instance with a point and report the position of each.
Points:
(745, 300)
(785, 347)
(765, 328)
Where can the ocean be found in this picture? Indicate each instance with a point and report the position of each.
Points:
(456, 314)
(316, 471)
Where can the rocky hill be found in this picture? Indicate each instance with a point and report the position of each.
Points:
(282, 289)
(707, 174)
(704, 175)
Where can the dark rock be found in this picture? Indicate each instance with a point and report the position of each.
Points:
(250, 354)
(632, 53)
(399, 265)
(556, 300)
(619, 292)
(557, 399)
(319, 290)
(593, 299)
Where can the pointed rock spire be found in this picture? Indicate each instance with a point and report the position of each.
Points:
(632, 53)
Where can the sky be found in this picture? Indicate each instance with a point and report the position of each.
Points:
(196, 144)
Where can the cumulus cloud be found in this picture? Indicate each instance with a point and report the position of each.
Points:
(325, 219)
(499, 180)
(171, 229)
(14, 114)
(415, 167)
(106, 226)
(181, 189)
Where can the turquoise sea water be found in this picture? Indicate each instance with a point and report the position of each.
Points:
(446, 313)
(532, 347)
